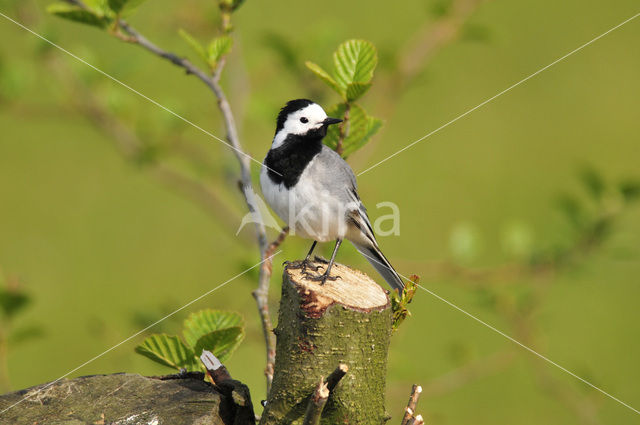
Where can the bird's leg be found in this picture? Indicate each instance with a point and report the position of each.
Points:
(306, 262)
(325, 276)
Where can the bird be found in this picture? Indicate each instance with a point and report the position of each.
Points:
(313, 189)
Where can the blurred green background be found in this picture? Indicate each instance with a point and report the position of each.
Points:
(103, 247)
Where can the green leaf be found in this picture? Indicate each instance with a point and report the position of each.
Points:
(24, 334)
(124, 7)
(359, 128)
(222, 343)
(630, 190)
(117, 5)
(195, 44)
(77, 14)
(206, 321)
(169, 351)
(354, 61)
(324, 76)
(401, 301)
(218, 47)
(372, 127)
(12, 302)
(356, 90)
(230, 5)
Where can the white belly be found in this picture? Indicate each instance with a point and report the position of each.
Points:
(309, 211)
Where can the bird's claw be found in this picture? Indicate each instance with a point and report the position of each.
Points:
(322, 278)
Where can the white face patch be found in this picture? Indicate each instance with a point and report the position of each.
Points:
(313, 114)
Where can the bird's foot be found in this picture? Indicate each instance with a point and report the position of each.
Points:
(322, 278)
(307, 264)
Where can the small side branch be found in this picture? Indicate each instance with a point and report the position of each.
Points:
(234, 390)
(316, 404)
(416, 420)
(410, 410)
(336, 376)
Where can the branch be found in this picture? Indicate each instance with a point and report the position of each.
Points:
(336, 376)
(213, 82)
(411, 406)
(130, 146)
(417, 420)
(316, 404)
(234, 390)
(261, 295)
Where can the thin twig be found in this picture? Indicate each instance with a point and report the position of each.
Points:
(411, 405)
(130, 146)
(261, 295)
(316, 404)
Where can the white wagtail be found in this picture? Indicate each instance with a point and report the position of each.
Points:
(314, 190)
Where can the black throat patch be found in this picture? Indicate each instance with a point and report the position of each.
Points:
(292, 157)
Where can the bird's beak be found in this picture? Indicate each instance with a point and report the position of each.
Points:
(328, 121)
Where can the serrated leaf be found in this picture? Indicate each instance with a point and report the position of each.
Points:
(324, 76)
(221, 343)
(205, 321)
(77, 14)
(169, 351)
(355, 61)
(372, 127)
(356, 90)
(218, 47)
(195, 44)
(359, 128)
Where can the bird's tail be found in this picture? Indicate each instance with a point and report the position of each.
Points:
(382, 265)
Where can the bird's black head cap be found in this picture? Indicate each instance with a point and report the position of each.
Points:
(291, 106)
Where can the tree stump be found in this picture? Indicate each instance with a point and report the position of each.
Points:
(348, 321)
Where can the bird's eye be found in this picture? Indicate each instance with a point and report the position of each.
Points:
(304, 120)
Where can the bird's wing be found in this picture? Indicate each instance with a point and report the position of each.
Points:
(337, 177)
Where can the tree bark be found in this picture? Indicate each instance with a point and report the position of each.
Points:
(320, 326)
(130, 399)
